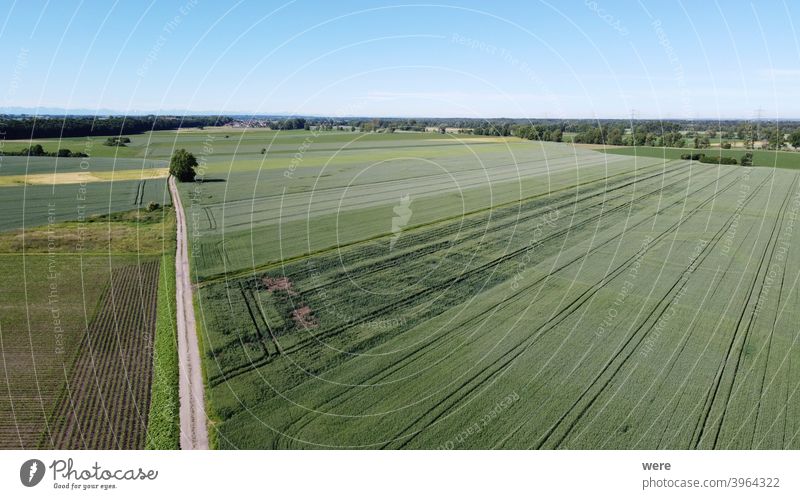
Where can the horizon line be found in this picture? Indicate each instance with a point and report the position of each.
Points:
(64, 112)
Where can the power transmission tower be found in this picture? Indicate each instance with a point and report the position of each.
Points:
(758, 112)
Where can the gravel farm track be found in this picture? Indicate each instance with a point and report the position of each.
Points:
(194, 433)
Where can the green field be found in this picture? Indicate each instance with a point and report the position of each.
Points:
(414, 290)
(257, 214)
(79, 302)
(776, 159)
(77, 331)
(410, 292)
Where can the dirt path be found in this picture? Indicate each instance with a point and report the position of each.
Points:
(194, 434)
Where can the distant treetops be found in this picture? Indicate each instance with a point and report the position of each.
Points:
(38, 150)
(117, 141)
(182, 165)
(747, 159)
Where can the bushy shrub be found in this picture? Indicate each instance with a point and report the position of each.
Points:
(719, 160)
(117, 141)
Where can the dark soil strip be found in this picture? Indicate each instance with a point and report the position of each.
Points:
(106, 403)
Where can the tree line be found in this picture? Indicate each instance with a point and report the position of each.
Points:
(38, 150)
(26, 127)
(670, 133)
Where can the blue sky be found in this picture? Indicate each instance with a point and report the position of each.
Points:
(588, 59)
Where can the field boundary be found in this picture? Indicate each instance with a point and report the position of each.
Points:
(786, 160)
(163, 428)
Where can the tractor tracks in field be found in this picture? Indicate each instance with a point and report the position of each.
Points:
(480, 270)
(677, 172)
(653, 317)
(251, 200)
(265, 216)
(556, 318)
(226, 276)
(138, 197)
(769, 341)
(713, 392)
(679, 352)
(470, 230)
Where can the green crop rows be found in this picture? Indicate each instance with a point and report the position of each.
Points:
(569, 300)
(77, 334)
(415, 290)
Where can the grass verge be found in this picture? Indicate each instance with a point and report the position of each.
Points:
(163, 424)
(212, 418)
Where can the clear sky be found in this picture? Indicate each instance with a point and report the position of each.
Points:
(590, 59)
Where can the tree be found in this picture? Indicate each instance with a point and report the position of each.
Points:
(794, 138)
(701, 142)
(182, 165)
(747, 159)
(36, 150)
(775, 139)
